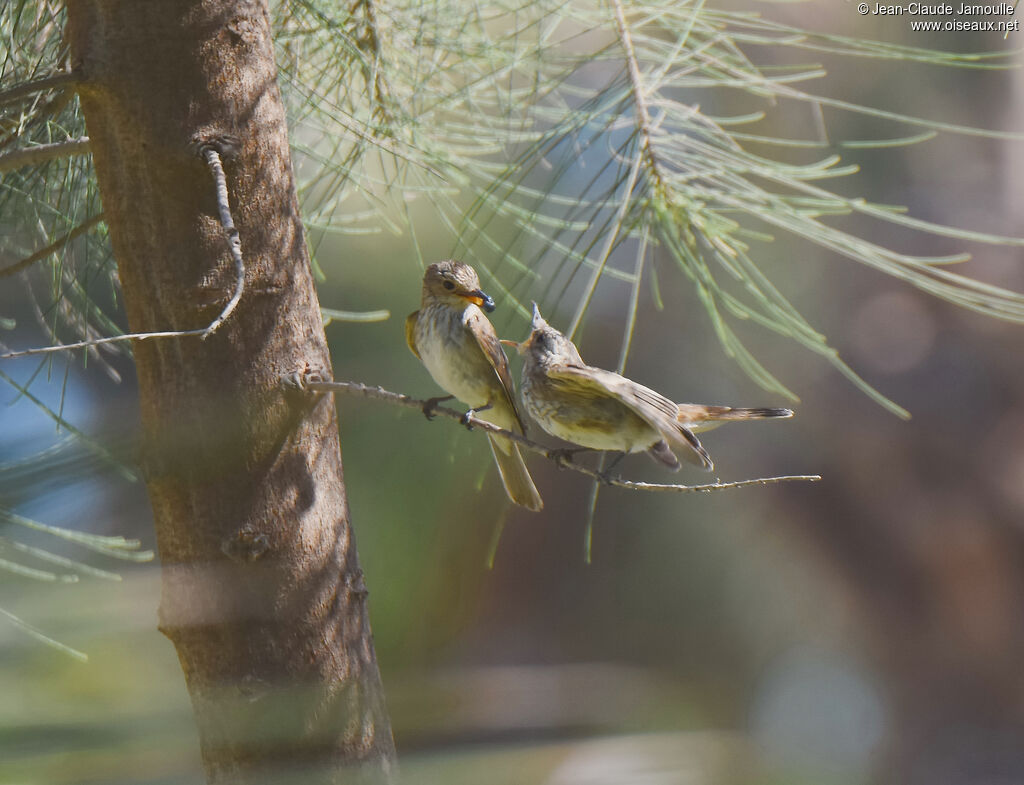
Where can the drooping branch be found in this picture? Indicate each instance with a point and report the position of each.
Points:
(312, 383)
(53, 247)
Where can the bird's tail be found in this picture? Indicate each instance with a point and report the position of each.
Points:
(692, 450)
(514, 474)
(702, 418)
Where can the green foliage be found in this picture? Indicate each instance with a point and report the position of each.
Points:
(28, 477)
(562, 146)
(555, 141)
(47, 201)
(548, 137)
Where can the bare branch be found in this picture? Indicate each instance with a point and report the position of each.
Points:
(53, 247)
(212, 157)
(29, 156)
(310, 382)
(25, 89)
(64, 347)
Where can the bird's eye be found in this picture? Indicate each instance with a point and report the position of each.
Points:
(449, 285)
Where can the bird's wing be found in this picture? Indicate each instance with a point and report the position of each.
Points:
(487, 340)
(410, 332)
(652, 406)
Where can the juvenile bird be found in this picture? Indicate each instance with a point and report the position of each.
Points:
(458, 345)
(602, 410)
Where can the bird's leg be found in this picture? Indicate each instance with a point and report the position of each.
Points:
(606, 472)
(563, 455)
(472, 413)
(431, 404)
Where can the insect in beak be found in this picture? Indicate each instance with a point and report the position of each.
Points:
(478, 298)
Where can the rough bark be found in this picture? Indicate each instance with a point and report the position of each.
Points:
(262, 592)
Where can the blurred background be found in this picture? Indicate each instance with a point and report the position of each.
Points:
(865, 629)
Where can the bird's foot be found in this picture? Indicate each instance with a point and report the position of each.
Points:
(467, 418)
(563, 456)
(431, 404)
(605, 475)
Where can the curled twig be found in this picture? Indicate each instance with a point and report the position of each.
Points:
(211, 154)
(314, 384)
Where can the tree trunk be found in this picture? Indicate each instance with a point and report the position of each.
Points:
(262, 592)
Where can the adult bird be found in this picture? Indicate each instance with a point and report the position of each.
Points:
(456, 342)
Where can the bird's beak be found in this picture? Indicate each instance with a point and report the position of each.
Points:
(479, 298)
(538, 321)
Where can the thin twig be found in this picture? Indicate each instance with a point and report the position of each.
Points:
(212, 158)
(30, 156)
(18, 91)
(53, 247)
(64, 347)
(380, 394)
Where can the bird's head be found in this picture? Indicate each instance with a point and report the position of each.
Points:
(455, 284)
(545, 344)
